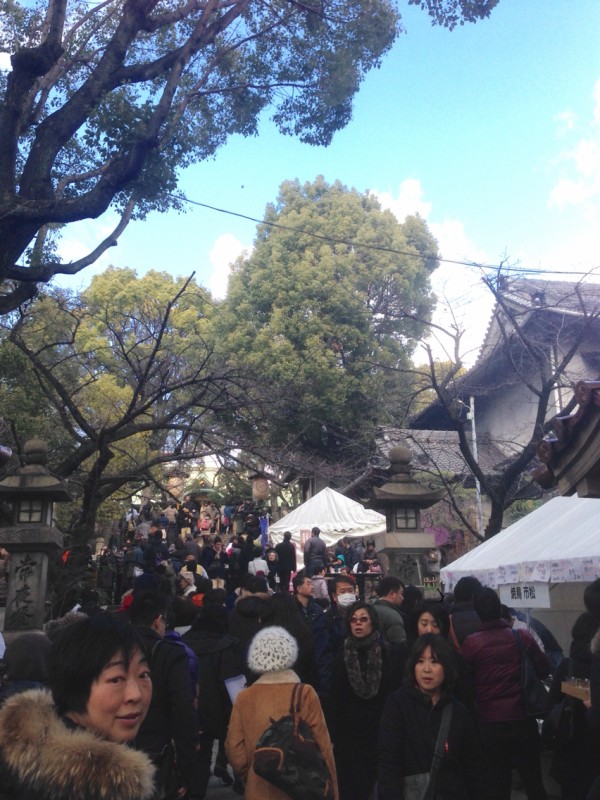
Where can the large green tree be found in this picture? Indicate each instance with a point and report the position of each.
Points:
(324, 313)
(107, 101)
(129, 372)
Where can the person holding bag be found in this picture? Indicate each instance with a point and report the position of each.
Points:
(272, 654)
(428, 747)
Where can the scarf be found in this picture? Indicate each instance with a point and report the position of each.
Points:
(364, 686)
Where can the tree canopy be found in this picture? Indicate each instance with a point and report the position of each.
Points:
(107, 101)
(326, 312)
(129, 372)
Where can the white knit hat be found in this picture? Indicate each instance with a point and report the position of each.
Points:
(271, 650)
(187, 576)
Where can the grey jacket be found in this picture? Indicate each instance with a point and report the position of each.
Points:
(391, 621)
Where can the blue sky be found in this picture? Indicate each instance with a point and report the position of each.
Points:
(491, 132)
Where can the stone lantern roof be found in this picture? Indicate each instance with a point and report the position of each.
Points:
(402, 488)
(33, 479)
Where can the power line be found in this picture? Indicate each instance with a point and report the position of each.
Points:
(504, 268)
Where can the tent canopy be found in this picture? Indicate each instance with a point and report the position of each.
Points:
(334, 514)
(556, 543)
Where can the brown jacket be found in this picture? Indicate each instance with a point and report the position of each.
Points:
(269, 698)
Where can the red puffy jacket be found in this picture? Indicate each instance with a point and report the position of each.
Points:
(494, 658)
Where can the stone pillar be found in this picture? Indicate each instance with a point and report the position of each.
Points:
(30, 551)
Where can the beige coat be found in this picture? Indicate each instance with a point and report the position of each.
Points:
(269, 698)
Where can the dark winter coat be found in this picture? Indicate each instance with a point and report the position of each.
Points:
(315, 552)
(215, 566)
(286, 553)
(219, 657)
(171, 715)
(314, 618)
(43, 758)
(407, 735)
(353, 725)
(494, 658)
(464, 620)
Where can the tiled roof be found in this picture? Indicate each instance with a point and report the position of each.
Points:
(528, 299)
(439, 450)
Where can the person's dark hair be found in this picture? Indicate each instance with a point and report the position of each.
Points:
(361, 604)
(79, 654)
(388, 583)
(256, 552)
(217, 540)
(181, 612)
(203, 585)
(214, 597)
(487, 605)
(337, 579)
(466, 589)
(287, 535)
(255, 584)
(506, 613)
(299, 579)
(280, 609)
(146, 607)
(437, 611)
(591, 598)
(315, 531)
(585, 627)
(412, 597)
(441, 649)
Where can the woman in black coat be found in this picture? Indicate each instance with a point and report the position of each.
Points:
(410, 724)
(362, 679)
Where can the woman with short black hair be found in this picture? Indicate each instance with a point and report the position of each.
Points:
(411, 722)
(70, 744)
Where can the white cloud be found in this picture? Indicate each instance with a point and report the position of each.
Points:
(224, 252)
(578, 184)
(408, 202)
(565, 121)
(464, 304)
(5, 65)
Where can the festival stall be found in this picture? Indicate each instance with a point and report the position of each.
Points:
(336, 516)
(542, 562)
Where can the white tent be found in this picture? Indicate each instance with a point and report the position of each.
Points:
(334, 514)
(556, 547)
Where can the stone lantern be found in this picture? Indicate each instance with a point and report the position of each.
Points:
(401, 499)
(31, 539)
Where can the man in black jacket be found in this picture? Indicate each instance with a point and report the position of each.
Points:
(171, 722)
(315, 552)
(286, 553)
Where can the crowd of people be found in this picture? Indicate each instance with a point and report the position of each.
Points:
(213, 633)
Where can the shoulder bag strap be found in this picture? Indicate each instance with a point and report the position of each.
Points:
(520, 644)
(438, 752)
(296, 699)
(453, 636)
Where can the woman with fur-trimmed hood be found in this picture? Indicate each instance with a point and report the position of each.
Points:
(71, 744)
(272, 653)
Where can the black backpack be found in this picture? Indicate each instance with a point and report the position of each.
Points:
(287, 756)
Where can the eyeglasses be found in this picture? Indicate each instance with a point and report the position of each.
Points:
(355, 620)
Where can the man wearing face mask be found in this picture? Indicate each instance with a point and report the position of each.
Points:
(314, 618)
(342, 594)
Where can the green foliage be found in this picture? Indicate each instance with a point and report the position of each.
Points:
(326, 312)
(125, 371)
(106, 104)
(450, 13)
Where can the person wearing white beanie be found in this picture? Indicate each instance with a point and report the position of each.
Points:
(272, 654)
